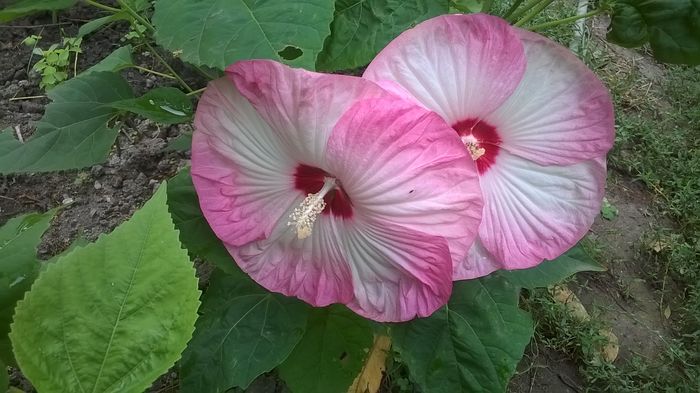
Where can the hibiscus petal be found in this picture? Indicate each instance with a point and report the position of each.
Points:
(312, 269)
(402, 164)
(534, 212)
(479, 263)
(302, 106)
(460, 66)
(239, 168)
(561, 113)
(398, 273)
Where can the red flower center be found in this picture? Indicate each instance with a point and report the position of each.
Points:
(310, 180)
(481, 139)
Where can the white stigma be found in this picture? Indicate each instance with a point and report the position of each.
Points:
(304, 216)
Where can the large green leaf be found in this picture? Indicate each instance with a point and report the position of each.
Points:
(331, 353)
(243, 332)
(672, 28)
(471, 345)
(166, 105)
(362, 28)
(195, 233)
(552, 272)
(115, 61)
(19, 266)
(113, 315)
(217, 33)
(26, 7)
(73, 133)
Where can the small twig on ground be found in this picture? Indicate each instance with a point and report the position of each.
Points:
(19, 134)
(25, 98)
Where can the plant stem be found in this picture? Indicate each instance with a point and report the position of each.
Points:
(195, 92)
(144, 69)
(570, 19)
(533, 12)
(136, 16)
(25, 98)
(172, 71)
(512, 8)
(518, 13)
(101, 6)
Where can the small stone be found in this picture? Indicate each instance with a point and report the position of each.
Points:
(97, 171)
(67, 200)
(97, 185)
(23, 83)
(117, 182)
(141, 179)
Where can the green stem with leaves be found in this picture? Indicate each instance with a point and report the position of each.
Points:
(101, 6)
(170, 69)
(150, 71)
(136, 16)
(517, 13)
(547, 25)
(533, 12)
(512, 8)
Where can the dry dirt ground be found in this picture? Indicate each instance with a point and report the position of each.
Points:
(97, 199)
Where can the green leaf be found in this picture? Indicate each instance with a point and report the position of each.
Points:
(27, 7)
(166, 105)
(19, 266)
(331, 353)
(553, 272)
(672, 28)
(608, 211)
(243, 332)
(182, 142)
(362, 28)
(113, 315)
(195, 233)
(73, 133)
(471, 345)
(98, 23)
(8, 142)
(138, 5)
(115, 61)
(220, 32)
(4, 378)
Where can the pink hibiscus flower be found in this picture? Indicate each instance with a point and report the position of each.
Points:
(330, 189)
(536, 121)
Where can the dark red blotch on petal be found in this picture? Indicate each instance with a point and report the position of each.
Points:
(488, 138)
(310, 180)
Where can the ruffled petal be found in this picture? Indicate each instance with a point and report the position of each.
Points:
(402, 164)
(398, 273)
(561, 113)
(534, 212)
(460, 66)
(312, 269)
(239, 168)
(302, 106)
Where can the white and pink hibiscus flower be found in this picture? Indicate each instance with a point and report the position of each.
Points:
(537, 122)
(330, 189)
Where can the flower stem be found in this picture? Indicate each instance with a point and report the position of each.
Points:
(519, 12)
(101, 6)
(136, 16)
(195, 92)
(144, 69)
(512, 8)
(166, 65)
(533, 12)
(547, 25)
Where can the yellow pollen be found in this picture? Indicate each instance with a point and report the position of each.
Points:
(475, 150)
(304, 216)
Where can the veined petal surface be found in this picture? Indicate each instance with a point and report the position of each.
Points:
(460, 66)
(561, 113)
